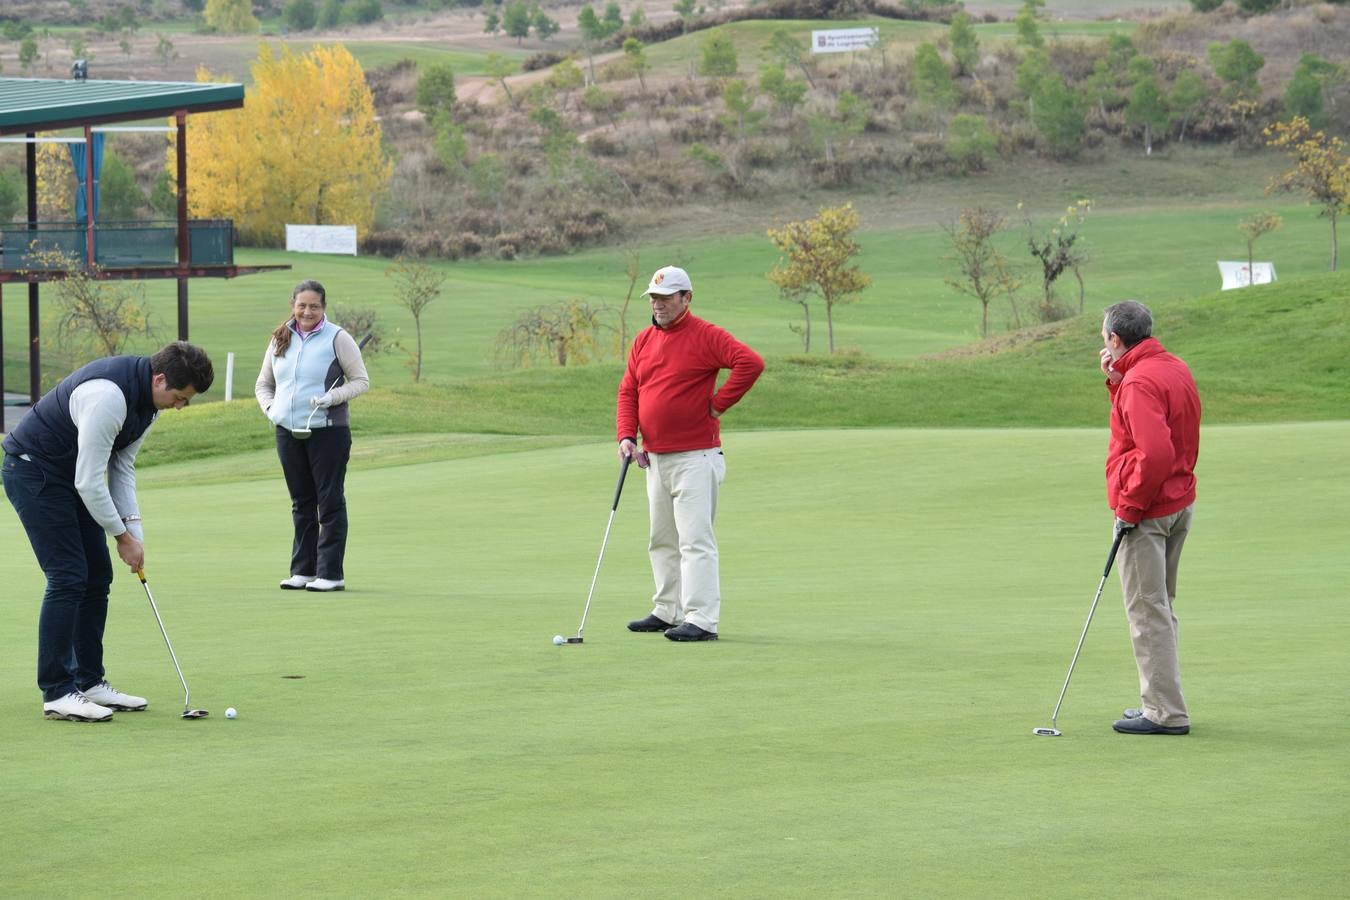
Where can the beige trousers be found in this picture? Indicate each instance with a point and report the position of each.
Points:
(1148, 560)
(682, 497)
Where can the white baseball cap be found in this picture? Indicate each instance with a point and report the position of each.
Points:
(669, 280)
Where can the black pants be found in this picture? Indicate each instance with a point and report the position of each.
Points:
(316, 470)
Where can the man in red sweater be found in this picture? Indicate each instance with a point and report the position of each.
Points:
(1150, 484)
(669, 396)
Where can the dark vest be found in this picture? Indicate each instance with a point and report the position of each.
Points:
(49, 436)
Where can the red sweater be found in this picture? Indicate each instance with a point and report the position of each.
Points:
(671, 377)
(1155, 434)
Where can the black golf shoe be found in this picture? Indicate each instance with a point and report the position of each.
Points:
(1142, 725)
(651, 623)
(690, 632)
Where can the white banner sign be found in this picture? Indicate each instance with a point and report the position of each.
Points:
(1236, 274)
(321, 239)
(843, 40)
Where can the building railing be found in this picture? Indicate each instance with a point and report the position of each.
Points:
(33, 246)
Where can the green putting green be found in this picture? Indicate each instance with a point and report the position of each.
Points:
(900, 608)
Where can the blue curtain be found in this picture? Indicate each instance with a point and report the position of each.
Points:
(77, 160)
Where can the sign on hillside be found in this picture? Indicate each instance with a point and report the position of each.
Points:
(1236, 274)
(321, 239)
(844, 40)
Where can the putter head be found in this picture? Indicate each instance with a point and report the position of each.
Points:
(195, 714)
(1045, 732)
(301, 434)
(575, 640)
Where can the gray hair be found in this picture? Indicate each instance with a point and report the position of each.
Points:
(1130, 321)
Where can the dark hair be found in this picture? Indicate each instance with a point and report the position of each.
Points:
(282, 335)
(1130, 321)
(183, 365)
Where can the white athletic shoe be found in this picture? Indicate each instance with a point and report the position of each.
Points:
(326, 584)
(105, 694)
(76, 707)
(297, 582)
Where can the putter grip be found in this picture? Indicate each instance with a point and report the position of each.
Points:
(618, 488)
(1111, 557)
(140, 573)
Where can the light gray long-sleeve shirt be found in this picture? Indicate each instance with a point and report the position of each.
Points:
(106, 480)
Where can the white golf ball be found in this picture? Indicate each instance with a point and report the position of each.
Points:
(231, 713)
(559, 640)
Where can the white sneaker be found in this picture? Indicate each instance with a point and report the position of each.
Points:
(105, 694)
(76, 707)
(326, 584)
(297, 582)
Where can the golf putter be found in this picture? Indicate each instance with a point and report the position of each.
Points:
(188, 711)
(302, 433)
(618, 489)
(1053, 731)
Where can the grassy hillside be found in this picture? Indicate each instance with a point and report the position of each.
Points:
(1265, 354)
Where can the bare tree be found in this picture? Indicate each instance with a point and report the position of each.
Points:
(1253, 227)
(415, 286)
(97, 316)
(984, 271)
(571, 331)
(631, 261)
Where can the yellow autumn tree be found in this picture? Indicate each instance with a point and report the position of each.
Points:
(55, 183)
(818, 260)
(305, 149)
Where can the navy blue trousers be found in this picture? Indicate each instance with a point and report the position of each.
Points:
(72, 550)
(316, 474)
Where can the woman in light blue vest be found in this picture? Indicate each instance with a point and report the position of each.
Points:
(311, 371)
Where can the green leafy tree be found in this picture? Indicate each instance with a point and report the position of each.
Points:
(120, 198)
(330, 14)
(849, 117)
(1028, 33)
(983, 271)
(499, 67)
(787, 93)
(1254, 227)
(301, 15)
(594, 31)
(492, 22)
(451, 146)
(613, 18)
(1304, 95)
(28, 52)
(1100, 90)
(363, 12)
(1033, 71)
(164, 196)
(717, 56)
(818, 260)
(1237, 64)
(1256, 7)
(544, 26)
(11, 195)
(1059, 116)
(932, 79)
(970, 143)
(633, 51)
(965, 43)
(516, 20)
(436, 90)
(1205, 5)
(637, 18)
(1147, 108)
(1321, 170)
(1189, 92)
(790, 52)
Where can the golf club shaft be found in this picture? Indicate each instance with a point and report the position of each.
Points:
(618, 489)
(187, 696)
(1110, 558)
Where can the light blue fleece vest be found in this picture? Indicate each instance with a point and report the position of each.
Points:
(306, 370)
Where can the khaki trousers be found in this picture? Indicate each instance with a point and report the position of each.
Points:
(682, 496)
(1148, 560)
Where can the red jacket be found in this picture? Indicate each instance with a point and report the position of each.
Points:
(1155, 434)
(671, 377)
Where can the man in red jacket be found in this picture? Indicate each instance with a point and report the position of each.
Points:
(669, 396)
(1150, 484)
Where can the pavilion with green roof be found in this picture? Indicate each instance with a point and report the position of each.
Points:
(31, 109)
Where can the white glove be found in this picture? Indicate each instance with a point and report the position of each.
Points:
(322, 402)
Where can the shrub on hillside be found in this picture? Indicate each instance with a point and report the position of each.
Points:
(542, 60)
